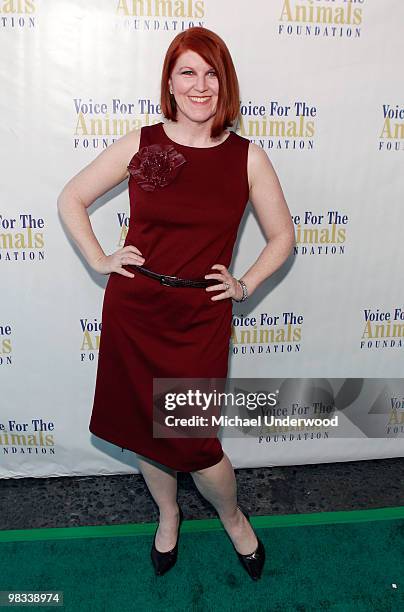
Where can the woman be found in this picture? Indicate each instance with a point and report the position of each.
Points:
(167, 307)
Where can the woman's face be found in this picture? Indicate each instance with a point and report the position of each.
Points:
(193, 78)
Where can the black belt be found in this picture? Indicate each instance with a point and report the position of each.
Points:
(175, 281)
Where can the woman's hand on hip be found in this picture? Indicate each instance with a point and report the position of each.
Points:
(229, 286)
(128, 255)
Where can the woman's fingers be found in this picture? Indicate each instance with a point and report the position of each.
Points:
(228, 283)
(219, 276)
(126, 260)
(130, 255)
(222, 277)
(220, 267)
(124, 272)
(220, 296)
(219, 287)
(131, 247)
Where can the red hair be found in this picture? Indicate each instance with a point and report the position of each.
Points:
(215, 52)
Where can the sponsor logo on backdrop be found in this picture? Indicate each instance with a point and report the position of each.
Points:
(395, 421)
(22, 238)
(391, 136)
(148, 15)
(279, 126)
(320, 233)
(320, 18)
(99, 123)
(266, 333)
(303, 412)
(371, 408)
(383, 329)
(31, 437)
(90, 339)
(123, 221)
(17, 14)
(386, 412)
(5, 345)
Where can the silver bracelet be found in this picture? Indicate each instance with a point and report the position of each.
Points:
(245, 292)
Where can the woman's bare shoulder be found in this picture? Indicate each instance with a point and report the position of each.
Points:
(118, 155)
(258, 161)
(127, 145)
(256, 153)
(106, 171)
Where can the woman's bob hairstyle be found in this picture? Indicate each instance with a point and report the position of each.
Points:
(215, 52)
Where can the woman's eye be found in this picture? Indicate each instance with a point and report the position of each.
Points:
(188, 71)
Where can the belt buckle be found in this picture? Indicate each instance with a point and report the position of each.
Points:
(165, 280)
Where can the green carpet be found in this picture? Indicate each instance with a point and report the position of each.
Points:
(334, 561)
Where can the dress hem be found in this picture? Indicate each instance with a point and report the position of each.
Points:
(111, 440)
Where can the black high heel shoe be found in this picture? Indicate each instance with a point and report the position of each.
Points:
(164, 561)
(254, 562)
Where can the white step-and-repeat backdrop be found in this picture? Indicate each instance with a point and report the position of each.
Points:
(322, 93)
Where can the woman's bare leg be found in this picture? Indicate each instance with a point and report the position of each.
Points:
(218, 485)
(162, 484)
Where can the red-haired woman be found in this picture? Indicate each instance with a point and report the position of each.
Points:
(167, 308)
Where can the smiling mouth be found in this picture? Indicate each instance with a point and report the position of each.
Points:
(199, 99)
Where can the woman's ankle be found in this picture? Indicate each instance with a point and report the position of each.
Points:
(169, 511)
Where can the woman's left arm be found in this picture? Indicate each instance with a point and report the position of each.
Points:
(269, 203)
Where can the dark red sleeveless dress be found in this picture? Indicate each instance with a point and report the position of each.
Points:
(182, 225)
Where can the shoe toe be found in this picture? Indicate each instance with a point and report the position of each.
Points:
(163, 562)
(254, 562)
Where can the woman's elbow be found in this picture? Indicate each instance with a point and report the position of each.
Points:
(61, 199)
(67, 199)
(292, 237)
(287, 237)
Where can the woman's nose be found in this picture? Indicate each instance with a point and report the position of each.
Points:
(201, 83)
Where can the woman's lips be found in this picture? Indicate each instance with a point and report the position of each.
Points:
(200, 103)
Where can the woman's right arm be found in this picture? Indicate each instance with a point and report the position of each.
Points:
(106, 171)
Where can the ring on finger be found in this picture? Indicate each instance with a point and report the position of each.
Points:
(226, 285)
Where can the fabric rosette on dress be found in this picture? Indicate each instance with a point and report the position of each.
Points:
(156, 166)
